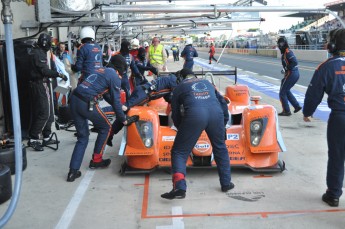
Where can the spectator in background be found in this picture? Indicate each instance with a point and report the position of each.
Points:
(188, 54)
(212, 52)
(157, 56)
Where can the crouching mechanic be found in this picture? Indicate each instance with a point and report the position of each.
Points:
(84, 107)
(203, 110)
(160, 87)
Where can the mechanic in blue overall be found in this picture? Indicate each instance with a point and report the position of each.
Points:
(291, 76)
(329, 78)
(89, 54)
(160, 87)
(143, 65)
(196, 97)
(124, 51)
(188, 54)
(84, 107)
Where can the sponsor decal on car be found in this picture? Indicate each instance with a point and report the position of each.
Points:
(202, 146)
(168, 138)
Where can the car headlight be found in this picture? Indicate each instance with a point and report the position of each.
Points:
(256, 131)
(146, 132)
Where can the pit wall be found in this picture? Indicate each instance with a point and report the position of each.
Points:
(308, 55)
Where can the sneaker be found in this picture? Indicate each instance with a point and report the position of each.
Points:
(102, 164)
(36, 145)
(228, 187)
(283, 113)
(209, 63)
(331, 201)
(174, 194)
(297, 109)
(73, 174)
(50, 142)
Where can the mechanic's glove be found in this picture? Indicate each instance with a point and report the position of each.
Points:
(132, 119)
(154, 71)
(63, 77)
(74, 68)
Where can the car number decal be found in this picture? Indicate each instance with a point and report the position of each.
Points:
(233, 137)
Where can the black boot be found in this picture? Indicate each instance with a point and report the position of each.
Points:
(73, 174)
(331, 201)
(174, 194)
(102, 164)
(228, 187)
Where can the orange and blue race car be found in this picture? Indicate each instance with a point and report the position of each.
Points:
(253, 138)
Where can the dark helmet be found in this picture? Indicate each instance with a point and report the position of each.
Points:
(44, 41)
(282, 44)
(141, 53)
(182, 74)
(185, 72)
(118, 62)
(124, 50)
(336, 41)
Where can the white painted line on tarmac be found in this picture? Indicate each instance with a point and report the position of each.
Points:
(177, 222)
(73, 205)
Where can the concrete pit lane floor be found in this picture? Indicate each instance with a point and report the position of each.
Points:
(105, 199)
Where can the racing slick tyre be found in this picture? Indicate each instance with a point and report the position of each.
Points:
(5, 183)
(7, 157)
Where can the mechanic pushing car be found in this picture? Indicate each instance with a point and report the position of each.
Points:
(89, 54)
(188, 54)
(84, 106)
(329, 77)
(291, 76)
(195, 97)
(160, 87)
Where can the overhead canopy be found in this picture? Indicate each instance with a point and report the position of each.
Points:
(336, 5)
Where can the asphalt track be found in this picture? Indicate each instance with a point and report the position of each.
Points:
(263, 65)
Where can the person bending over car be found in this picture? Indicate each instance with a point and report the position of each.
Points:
(105, 82)
(160, 87)
(196, 97)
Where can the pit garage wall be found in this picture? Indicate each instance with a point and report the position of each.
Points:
(21, 12)
(308, 55)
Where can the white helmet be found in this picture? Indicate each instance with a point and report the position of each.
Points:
(87, 32)
(146, 44)
(189, 41)
(134, 43)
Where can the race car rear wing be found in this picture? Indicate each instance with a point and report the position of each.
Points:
(203, 72)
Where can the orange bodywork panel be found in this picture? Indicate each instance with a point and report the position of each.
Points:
(253, 142)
